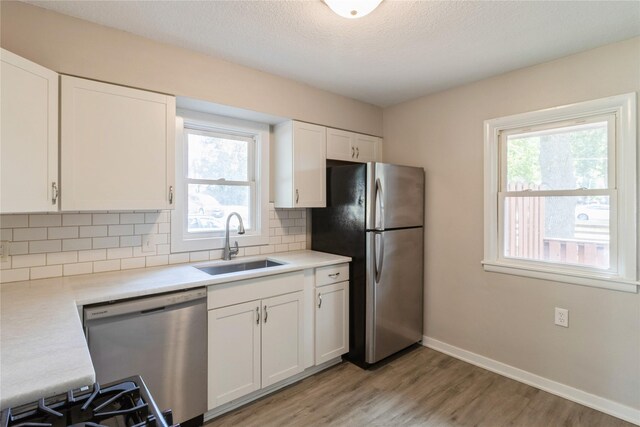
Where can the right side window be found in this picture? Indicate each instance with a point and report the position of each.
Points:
(561, 194)
(557, 182)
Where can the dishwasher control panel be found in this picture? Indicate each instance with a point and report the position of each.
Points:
(143, 305)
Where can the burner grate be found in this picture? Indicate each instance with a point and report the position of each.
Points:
(125, 403)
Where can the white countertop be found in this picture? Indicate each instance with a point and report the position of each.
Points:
(43, 351)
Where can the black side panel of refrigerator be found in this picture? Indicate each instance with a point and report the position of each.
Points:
(340, 229)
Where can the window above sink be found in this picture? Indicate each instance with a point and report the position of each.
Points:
(222, 166)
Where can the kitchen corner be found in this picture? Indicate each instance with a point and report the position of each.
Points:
(43, 348)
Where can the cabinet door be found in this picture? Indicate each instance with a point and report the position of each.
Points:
(233, 352)
(117, 147)
(339, 145)
(29, 136)
(332, 321)
(366, 148)
(282, 337)
(309, 165)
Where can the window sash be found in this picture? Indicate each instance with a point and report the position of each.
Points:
(190, 128)
(548, 127)
(613, 231)
(196, 129)
(250, 229)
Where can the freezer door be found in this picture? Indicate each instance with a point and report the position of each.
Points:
(395, 196)
(394, 291)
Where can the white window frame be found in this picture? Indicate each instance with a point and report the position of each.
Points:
(622, 276)
(181, 240)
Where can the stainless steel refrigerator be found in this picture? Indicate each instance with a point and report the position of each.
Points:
(375, 214)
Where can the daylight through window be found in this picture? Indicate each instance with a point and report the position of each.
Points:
(556, 188)
(219, 180)
(560, 194)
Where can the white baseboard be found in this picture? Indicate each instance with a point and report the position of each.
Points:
(601, 404)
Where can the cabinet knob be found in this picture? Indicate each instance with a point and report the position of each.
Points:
(319, 300)
(266, 315)
(353, 152)
(297, 196)
(171, 194)
(258, 315)
(357, 152)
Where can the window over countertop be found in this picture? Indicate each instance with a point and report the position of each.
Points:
(221, 167)
(560, 193)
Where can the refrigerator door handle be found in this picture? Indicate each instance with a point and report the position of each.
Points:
(379, 210)
(378, 247)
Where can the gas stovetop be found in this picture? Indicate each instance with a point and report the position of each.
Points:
(122, 403)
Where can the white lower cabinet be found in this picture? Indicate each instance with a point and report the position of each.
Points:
(332, 321)
(254, 345)
(263, 331)
(282, 337)
(234, 352)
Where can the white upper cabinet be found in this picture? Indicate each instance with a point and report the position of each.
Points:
(352, 147)
(117, 147)
(29, 136)
(367, 148)
(300, 165)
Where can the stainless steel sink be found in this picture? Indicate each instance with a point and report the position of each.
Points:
(241, 266)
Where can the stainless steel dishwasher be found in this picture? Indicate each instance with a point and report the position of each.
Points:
(162, 338)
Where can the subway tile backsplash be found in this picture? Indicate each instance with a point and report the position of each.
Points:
(67, 244)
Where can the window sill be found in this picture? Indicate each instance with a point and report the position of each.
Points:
(597, 281)
(213, 243)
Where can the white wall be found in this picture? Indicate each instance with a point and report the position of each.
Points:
(509, 318)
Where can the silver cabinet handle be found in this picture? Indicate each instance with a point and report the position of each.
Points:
(357, 152)
(54, 193)
(266, 315)
(319, 300)
(171, 194)
(258, 315)
(334, 275)
(297, 195)
(353, 152)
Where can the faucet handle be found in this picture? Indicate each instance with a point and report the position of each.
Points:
(235, 250)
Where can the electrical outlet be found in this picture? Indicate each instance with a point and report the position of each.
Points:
(4, 250)
(562, 317)
(148, 244)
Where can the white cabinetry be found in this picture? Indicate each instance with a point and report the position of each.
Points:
(254, 344)
(234, 352)
(117, 147)
(332, 312)
(352, 147)
(300, 163)
(29, 136)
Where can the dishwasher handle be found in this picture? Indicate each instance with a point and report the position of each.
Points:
(143, 305)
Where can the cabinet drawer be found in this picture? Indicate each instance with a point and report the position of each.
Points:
(332, 274)
(241, 291)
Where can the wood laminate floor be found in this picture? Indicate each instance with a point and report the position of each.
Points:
(420, 388)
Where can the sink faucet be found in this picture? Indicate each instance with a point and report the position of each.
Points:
(228, 252)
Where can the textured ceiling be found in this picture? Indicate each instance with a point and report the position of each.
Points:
(402, 50)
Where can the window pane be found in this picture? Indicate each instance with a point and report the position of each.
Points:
(209, 206)
(564, 230)
(558, 159)
(211, 157)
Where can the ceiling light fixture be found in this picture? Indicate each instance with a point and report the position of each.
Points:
(352, 8)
